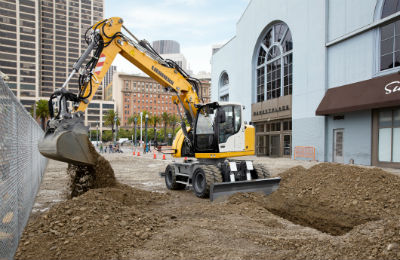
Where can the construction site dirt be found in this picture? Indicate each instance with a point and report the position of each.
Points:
(321, 211)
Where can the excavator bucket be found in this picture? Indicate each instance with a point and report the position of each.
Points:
(67, 141)
(224, 189)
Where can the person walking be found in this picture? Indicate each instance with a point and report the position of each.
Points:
(101, 148)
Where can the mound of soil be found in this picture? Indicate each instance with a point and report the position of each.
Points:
(83, 177)
(334, 198)
(99, 224)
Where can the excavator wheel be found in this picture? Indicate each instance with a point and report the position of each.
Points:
(261, 171)
(203, 177)
(170, 179)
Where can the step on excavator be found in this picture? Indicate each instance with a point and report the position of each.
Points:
(213, 136)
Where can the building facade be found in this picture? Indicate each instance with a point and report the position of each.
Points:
(321, 74)
(136, 93)
(41, 40)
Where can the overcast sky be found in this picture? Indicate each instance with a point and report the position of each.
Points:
(195, 24)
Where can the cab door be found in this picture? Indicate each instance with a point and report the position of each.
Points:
(239, 128)
(231, 134)
(226, 140)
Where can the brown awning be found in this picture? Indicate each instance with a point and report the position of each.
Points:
(374, 93)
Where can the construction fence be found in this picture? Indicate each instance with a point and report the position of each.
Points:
(21, 169)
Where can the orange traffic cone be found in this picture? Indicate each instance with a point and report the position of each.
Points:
(163, 156)
(154, 155)
(138, 153)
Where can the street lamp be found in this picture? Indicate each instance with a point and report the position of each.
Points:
(116, 130)
(97, 134)
(134, 123)
(141, 128)
(145, 133)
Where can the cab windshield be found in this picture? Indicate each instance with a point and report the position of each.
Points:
(205, 121)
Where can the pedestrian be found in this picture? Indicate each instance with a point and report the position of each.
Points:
(110, 148)
(101, 148)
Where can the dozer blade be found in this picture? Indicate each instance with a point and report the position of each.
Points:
(266, 186)
(67, 141)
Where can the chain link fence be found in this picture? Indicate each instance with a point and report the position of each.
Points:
(21, 169)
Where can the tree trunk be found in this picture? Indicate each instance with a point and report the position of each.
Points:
(165, 132)
(43, 123)
(154, 132)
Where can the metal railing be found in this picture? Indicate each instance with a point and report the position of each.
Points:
(21, 169)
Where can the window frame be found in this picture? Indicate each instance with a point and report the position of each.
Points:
(263, 96)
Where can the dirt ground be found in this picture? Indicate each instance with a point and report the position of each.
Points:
(321, 211)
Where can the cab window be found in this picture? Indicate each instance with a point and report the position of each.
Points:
(226, 129)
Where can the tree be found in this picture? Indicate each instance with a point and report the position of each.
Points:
(42, 111)
(154, 120)
(109, 119)
(165, 119)
(173, 121)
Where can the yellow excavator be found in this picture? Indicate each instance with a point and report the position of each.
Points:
(215, 132)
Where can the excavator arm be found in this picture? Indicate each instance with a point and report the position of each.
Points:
(66, 135)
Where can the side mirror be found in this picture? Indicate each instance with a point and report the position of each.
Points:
(221, 116)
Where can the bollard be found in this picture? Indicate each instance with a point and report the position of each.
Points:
(133, 152)
(154, 155)
(163, 156)
(138, 153)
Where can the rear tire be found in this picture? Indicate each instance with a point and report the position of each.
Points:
(170, 179)
(261, 171)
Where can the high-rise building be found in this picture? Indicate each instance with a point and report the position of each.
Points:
(41, 40)
(107, 83)
(166, 46)
(169, 49)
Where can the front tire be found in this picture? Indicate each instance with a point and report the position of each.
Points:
(170, 179)
(200, 186)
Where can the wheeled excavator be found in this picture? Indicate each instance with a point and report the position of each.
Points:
(212, 137)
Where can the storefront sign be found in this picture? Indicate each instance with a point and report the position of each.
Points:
(271, 110)
(392, 87)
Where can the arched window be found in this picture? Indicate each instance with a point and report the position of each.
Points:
(390, 37)
(224, 80)
(274, 63)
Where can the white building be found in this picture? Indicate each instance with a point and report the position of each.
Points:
(313, 73)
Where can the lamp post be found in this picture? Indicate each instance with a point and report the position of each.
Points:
(134, 123)
(97, 134)
(141, 128)
(145, 133)
(116, 130)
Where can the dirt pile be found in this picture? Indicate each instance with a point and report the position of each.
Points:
(334, 198)
(99, 224)
(83, 178)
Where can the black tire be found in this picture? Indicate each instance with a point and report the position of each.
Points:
(202, 179)
(170, 179)
(260, 171)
